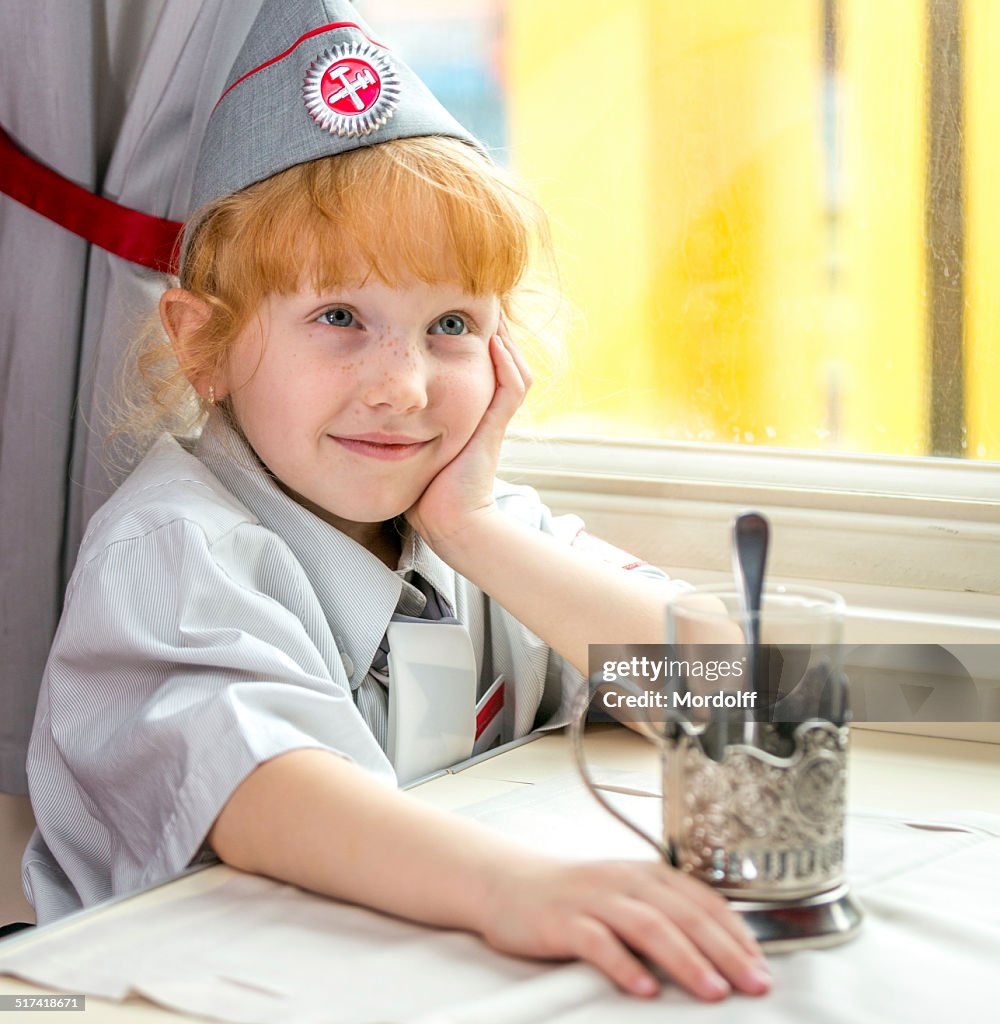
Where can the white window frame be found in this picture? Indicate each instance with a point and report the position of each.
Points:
(913, 544)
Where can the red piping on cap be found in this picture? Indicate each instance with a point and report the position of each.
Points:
(301, 39)
(132, 235)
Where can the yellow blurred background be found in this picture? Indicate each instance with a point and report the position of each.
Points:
(740, 197)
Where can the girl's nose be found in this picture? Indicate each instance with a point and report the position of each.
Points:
(397, 377)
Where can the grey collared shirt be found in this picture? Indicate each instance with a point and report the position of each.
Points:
(211, 624)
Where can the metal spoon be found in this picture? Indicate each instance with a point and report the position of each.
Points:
(750, 540)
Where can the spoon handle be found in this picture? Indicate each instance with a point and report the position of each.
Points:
(751, 536)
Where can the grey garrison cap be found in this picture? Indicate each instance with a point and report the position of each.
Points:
(309, 82)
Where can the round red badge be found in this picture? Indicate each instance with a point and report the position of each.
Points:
(352, 89)
(350, 86)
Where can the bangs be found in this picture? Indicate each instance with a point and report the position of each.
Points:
(431, 209)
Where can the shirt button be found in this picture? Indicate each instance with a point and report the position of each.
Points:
(348, 664)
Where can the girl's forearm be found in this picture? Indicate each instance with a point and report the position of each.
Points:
(567, 599)
(317, 820)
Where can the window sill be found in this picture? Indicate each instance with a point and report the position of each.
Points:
(923, 525)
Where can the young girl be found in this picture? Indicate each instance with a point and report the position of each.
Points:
(220, 683)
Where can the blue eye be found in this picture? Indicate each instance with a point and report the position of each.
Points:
(337, 317)
(450, 323)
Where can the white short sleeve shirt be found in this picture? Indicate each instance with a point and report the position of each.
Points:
(211, 624)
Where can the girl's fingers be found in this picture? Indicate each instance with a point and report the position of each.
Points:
(511, 385)
(507, 399)
(515, 354)
(742, 968)
(503, 327)
(714, 904)
(590, 940)
(660, 939)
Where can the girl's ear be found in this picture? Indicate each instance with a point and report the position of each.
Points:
(183, 314)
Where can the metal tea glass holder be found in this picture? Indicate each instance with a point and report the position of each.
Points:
(762, 821)
(766, 830)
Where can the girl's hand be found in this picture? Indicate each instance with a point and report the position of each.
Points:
(611, 913)
(462, 491)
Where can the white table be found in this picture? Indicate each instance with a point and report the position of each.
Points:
(919, 778)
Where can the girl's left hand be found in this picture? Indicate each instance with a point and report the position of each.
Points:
(462, 492)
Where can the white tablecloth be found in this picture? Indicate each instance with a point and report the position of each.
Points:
(253, 950)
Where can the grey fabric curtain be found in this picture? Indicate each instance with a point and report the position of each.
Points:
(113, 94)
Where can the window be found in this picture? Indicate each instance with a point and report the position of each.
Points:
(775, 220)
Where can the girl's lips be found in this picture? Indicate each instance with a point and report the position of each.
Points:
(389, 448)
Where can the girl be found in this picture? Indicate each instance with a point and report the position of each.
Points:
(220, 682)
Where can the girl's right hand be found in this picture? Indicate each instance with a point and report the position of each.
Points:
(612, 912)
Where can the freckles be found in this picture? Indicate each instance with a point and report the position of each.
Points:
(464, 389)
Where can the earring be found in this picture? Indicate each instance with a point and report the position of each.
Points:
(211, 394)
